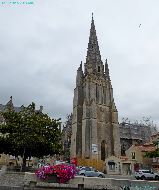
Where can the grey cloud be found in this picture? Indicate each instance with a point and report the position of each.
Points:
(42, 45)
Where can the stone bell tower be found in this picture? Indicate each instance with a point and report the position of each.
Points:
(95, 128)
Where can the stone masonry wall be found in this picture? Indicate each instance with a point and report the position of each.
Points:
(11, 179)
(19, 181)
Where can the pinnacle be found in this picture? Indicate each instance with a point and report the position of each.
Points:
(107, 70)
(10, 104)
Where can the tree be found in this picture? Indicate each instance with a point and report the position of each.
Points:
(29, 133)
(155, 153)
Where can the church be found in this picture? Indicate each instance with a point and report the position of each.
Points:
(95, 127)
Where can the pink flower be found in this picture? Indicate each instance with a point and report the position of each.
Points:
(63, 172)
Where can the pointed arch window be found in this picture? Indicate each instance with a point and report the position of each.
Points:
(104, 150)
(97, 93)
(99, 69)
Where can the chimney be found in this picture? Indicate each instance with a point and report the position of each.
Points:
(41, 108)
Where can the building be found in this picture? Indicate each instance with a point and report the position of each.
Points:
(155, 140)
(66, 137)
(134, 160)
(136, 154)
(155, 137)
(9, 105)
(118, 165)
(95, 128)
(134, 133)
(9, 160)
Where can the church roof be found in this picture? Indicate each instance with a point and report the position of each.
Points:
(2, 107)
(9, 104)
(16, 109)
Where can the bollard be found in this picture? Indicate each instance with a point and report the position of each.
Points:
(32, 184)
(81, 186)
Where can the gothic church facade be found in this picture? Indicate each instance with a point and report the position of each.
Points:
(95, 128)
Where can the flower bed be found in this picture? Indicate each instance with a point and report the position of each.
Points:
(63, 172)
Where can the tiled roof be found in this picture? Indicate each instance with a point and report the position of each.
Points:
(157, 134)
(146, 147)
(2, 107)
(17, 109)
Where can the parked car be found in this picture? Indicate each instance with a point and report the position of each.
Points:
(90, 172)
(146, 174)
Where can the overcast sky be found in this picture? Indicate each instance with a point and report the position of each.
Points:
(42, 45)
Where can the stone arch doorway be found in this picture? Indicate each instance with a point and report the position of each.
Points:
(103, 150)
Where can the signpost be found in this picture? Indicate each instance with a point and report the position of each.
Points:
(94, 148)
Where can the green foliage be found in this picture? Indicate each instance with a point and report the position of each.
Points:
(29, 133)
(153, 154)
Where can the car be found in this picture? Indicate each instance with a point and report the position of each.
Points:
(90, 172)
(146, 174)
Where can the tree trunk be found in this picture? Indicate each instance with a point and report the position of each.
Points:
(24, 162)
(23, 166)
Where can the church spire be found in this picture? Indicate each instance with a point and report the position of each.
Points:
(93, 59)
